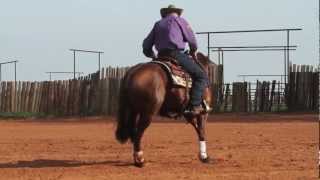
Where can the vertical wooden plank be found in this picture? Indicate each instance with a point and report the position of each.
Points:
(309, 88)
(43, 103)
(18, 96)
(74, 95)
(47, 97)
(227, 93)
(78, 93)
(39, 97)
(300, 86)
(118, 92)
(242, 102)
(9, 87)
(272, 95)
(86, 96)
(60, 102)
(31, 96)
(42, 98)
(238, 94)
(81, 97)
(278, 97)
(52, 92)
(34, 95)
(60, 99)
(98, 100)
(13, 97)
(3, 96)
(267, 97)
(292, 90)
(258, 96)
(27, 96)
(4, 103)
(263, 96)
(105, 96)
(55, 98)
(36, 98)
(65, 96)
(23, 96)
(102, 73)
(1, 93)
(306, 89)
(53, 110)
(70, 100)
(249, 98)
(110, 95)
(114, 94)
(316, 90)
(6, 94)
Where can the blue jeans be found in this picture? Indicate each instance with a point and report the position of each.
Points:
(199, 77)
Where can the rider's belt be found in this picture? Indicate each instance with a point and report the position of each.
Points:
(169, 52)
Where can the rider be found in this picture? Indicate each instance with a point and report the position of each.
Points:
(169, 36)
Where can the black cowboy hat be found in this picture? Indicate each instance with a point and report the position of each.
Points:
(170, 9)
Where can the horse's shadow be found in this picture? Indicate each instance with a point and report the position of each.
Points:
(44, 163)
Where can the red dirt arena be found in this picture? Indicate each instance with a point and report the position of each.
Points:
(262, 146)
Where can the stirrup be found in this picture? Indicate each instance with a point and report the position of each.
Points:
(194, 110)
(206, 106)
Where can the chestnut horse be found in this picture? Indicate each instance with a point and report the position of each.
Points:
(145, 90)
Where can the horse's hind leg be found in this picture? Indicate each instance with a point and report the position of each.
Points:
(142, 124)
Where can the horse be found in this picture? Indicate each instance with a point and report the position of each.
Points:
(145, 91)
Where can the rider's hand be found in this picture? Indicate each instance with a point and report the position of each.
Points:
(193, 54)
(153, 57)
(149, 53)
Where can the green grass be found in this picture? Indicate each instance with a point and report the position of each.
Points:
(20, 115)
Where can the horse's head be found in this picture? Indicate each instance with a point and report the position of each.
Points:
(204, 61)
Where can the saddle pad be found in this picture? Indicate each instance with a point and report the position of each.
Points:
(178, 76)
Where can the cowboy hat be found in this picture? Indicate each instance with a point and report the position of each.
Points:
(170, 9)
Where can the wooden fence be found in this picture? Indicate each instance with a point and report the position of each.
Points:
(97, 94)
(303, 88)
(252, 97)
(300, 94)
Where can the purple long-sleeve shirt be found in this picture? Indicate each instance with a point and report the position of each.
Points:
(171, 32)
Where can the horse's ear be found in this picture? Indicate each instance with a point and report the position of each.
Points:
(203, 58)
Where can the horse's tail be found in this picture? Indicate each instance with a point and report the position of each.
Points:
(125, 124)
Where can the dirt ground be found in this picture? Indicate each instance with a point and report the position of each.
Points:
(277, 146)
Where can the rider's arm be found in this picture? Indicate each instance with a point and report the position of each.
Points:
(148, 43)
(188, 34)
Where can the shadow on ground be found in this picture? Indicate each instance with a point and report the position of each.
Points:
(44, 163)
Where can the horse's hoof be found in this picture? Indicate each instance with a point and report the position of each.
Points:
(138, 159)
(205, 160)
(139, 164)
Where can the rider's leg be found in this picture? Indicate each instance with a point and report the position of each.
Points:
(200, 79)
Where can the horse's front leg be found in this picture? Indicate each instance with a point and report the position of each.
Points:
(201, 126)
(199, 123)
